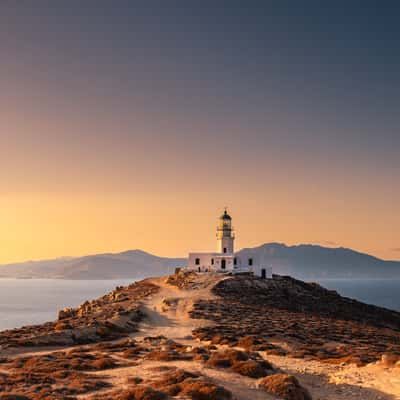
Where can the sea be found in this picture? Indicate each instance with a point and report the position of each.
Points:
(33, 301)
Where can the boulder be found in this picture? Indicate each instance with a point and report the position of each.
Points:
(66, 313)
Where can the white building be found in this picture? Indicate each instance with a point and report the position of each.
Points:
(225, 259)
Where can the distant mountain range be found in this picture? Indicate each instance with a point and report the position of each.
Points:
(130, 264)
(307, 262)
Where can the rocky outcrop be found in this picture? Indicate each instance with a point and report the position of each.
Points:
(284, 292)
(316, 322)
(111, 316)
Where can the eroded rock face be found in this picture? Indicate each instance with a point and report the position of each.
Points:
(286, 387)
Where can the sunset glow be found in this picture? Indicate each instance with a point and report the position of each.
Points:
(121, 128)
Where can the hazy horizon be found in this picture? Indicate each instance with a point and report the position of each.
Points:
(116, 252)
(130, 125)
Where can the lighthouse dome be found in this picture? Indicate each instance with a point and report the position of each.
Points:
(225, 216)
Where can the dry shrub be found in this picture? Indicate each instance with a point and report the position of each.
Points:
(52, 376)
(138, 393)
(247, 342)
(163, 355)
(79, 383)
(170, 381)
(227, 358)
(258, 344)
(103, 363)
(189, 385)
(201, 389)
(132, 353)
(217, 339)
(250, 368)
(175, 376)
(285, 386)
(58, 361)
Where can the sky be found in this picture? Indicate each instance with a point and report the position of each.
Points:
(131, 124)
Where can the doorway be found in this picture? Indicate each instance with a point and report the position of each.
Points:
(263, 273)
(223, 263)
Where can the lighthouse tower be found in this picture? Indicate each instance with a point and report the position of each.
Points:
(225, 236)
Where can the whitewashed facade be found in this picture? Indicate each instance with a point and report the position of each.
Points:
(225, 259)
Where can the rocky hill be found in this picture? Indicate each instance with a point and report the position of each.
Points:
(207, 337)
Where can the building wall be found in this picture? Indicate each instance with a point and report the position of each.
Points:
(213, 262)
(210, 261)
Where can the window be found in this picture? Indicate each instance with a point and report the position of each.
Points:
(212, 261)
(235, 261)
(250, 262)
(197, 261)
(224, 249)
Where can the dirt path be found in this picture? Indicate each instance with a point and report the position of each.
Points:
(174, 321)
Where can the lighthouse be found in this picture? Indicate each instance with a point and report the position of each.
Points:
(224, 260)
(225, 235)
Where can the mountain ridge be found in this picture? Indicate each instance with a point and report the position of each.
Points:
(303, 261)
